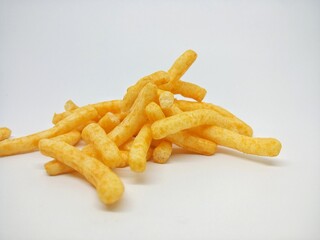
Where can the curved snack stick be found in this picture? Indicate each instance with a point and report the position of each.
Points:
(4, 133)
(109, 121)
(258, 146)
(136, 118)
(139, 149)
(190, 106)
(109, 151)
(108, 184)
(156, 78)
(101, 107)
(71, 138)
(166, 99)
(182, 139)
(186, 120)
(70, 105)
(162, 152)
(30, 143)
(189, 90)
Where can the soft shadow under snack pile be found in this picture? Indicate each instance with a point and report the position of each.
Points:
(142, 126)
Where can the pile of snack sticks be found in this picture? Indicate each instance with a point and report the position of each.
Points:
(143, 126)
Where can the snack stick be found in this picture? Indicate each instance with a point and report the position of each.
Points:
(72, 137)
(162, 152)
(139, 149)
(127, 145)
(30, 143)
(182, 139)
(101, 107)
(173, 110)
(107, 183)
(107, 106)
(190, 106)
(109, 151)
(187, 120)
(193, 143)
(156, 78)
(166, 99)
(179, 67)
(154, 112)
(109, 121)
(189, 90)
(70, 105)
(4, 133)
(257, 146)
(136, 118)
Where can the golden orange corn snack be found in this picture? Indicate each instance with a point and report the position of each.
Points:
(190, 106)
(30, 143)
(70, 105)
(156, 78)
(182, 139)
(109, 121)
(139, 149)
(189, 90)
(108, 184)
(166, 99)
(258, 146)
(186, 120)
(4, 133)
(71, 138)
(162, 152)
(109, 151)
(136, 118)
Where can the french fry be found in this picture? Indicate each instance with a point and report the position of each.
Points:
(156, 78)
(70, 105)
(109, 151)
(187, 120)
(109, 121)
(4, 133)
(258, 146)
(107, 183)
(166, 99)
(189, 90)
(191, 106)
(162, 152)
(30, 143)
(139, 149)
(182, 139)
(136, 118)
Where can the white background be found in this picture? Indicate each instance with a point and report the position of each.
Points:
(259, 59)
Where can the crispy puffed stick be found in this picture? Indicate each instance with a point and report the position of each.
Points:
(182, 139)
(30, 143)
(179, 67)
(4, 133)
(258, 146)
(190, 106)
(101, 107)
(127, 145)
(189, 90)
(166, 99)
(139, 149)
(136, 118)
(109, 121)
(156, 78)
(162, 152)
(72, 137)
(109, 151)
(187, 120)
(70, 105)
(107, 183)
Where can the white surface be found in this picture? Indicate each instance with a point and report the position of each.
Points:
(259, 59)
